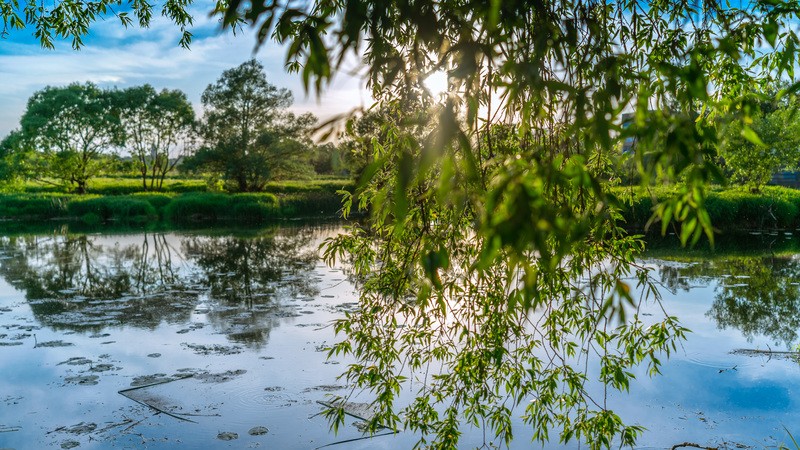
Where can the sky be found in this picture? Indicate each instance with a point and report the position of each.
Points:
(119, 57)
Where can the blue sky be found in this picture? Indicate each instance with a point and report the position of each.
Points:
(115, 56)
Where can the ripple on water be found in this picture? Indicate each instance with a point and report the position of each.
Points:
(721, 362)
(251, 400)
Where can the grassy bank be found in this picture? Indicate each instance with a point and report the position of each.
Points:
(185, 201)
(730, 210)
(286, 200)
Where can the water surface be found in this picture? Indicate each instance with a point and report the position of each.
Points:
(183, 339)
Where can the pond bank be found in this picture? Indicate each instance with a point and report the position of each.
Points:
(180, 209)
(730, 210)
(774, 207)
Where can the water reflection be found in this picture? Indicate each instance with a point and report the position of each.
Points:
(89, 282)
(248, 274)
(758, 295)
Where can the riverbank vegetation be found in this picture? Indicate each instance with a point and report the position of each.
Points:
(178, 203)
(139, 155)
(732, 209)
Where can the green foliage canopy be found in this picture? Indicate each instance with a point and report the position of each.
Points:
(71, 19)
(249, 136)
(16, 159)
(70, 128)
(752, 162)
(159, 129)
(501, 261)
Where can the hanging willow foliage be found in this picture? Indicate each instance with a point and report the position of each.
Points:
(496, 278)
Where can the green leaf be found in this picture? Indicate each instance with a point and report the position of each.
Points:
(770, 30)
(751, 136)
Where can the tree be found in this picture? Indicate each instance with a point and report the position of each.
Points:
(16, 158)
(72, 127)
(159, 127)
(249, 137)
(777, 147)
(494, 276)
(71, 19)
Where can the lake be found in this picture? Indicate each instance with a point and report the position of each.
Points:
(207, 339)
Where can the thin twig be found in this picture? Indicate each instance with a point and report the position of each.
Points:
(161, 410)
(356, 439)
(179, 417)
(156, 383)
(693, 445)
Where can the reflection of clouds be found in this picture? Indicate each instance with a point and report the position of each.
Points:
(700, 397)
(698, 404)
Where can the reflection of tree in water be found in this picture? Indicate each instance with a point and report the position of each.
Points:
(757, 295)
(76, 282)
(248, 278)
(83, 282)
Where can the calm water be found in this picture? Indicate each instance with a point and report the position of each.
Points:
(226, 333)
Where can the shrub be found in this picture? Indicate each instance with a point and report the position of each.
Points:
(311, 204)
(731, 209)
(253, 208)
(196, 207)
(755, 211)
(159, 201)
(126, 209)
(39, 206)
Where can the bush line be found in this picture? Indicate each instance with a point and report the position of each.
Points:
(195, 207)
(730, 210)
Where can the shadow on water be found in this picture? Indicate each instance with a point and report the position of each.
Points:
(755, 279)
(86, 283)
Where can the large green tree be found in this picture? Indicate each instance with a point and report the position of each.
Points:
(249, 136)
(753, 162)
(493, 276)
(72, 127)
(159, 129)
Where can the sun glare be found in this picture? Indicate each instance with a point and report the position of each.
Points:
(436, 83)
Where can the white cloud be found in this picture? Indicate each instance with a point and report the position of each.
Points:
(120, 57)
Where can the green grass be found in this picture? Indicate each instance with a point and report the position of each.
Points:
(130, 185)
(122, 186)
(129, 209)
(730, 209)
(326, 185)
(182, 201)
(33, 206)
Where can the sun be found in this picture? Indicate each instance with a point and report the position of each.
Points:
(436, 83)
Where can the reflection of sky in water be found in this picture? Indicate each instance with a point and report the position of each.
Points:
(707, 394)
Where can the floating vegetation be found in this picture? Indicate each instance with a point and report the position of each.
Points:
(214, 349)
(83, 380)
(51, 344)
(227, 436)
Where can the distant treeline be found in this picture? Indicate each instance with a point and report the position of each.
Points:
(245, 138)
